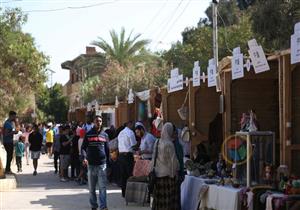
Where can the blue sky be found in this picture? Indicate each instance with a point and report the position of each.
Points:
(65, 33)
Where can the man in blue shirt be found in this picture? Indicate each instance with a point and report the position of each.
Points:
(8, 135)
(95, 152)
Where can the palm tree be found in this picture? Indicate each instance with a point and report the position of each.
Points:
(123, 50)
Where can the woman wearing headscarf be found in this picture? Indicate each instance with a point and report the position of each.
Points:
(165, 195)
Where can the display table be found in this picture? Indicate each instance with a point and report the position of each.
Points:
(221, 198)
(190, 192)
(195, 191)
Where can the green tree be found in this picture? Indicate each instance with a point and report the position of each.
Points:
(123, 49)
(273, 21)
(52, 103)
(21, 63)
(151, 72)
(197, 45)
(228, 13)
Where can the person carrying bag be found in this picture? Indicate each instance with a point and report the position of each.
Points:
(152, 174)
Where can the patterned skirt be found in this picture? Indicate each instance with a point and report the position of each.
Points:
(166, 194)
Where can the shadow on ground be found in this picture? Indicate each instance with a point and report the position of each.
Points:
(80, 202)
(47, 180)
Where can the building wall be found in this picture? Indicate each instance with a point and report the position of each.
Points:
(71, 91)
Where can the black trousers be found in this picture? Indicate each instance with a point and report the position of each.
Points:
(19, 162)
(75, 166)
(126, 162)
(9, 148)
(56, 157)
(115, 173)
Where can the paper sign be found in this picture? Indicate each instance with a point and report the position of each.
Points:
(259, 60)
(252, 43)
(174, 72)
(211, 73)
(130, 97)
(295, 48)
(196, 76)
(237, 66)
(175, 84)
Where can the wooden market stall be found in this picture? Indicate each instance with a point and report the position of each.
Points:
(204, 115)
(171, 102)
(295, 152)
(289, 79)
(257, 92)
(124, 113)
(139, 109)
(80, 114)
(146, 104)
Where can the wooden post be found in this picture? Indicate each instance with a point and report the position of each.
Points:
(165, 94)
(248, 160)
(281, 110)
(287, 110)
(227, 99)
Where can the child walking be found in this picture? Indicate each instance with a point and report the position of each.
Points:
(20, 152)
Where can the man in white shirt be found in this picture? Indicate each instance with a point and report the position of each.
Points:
(126, 144)
(147, 142)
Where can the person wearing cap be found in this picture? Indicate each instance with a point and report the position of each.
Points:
(126, 145)
(95, 153)
(8, 135)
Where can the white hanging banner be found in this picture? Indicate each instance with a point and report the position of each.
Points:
(196, 74)
(175, 84)
(174, 72)
(237, 64)
(258, 57)
(144, 95)
(295, 45)
(211, 73)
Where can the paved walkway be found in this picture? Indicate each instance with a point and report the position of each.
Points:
(45, 191)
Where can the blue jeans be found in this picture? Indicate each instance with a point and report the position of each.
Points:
(97, 175)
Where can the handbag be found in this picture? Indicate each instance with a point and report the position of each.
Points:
(152, 174)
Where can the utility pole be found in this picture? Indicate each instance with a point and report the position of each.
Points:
(51, 76)
(215, 31)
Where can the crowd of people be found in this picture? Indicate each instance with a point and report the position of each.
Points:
(88, 154)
